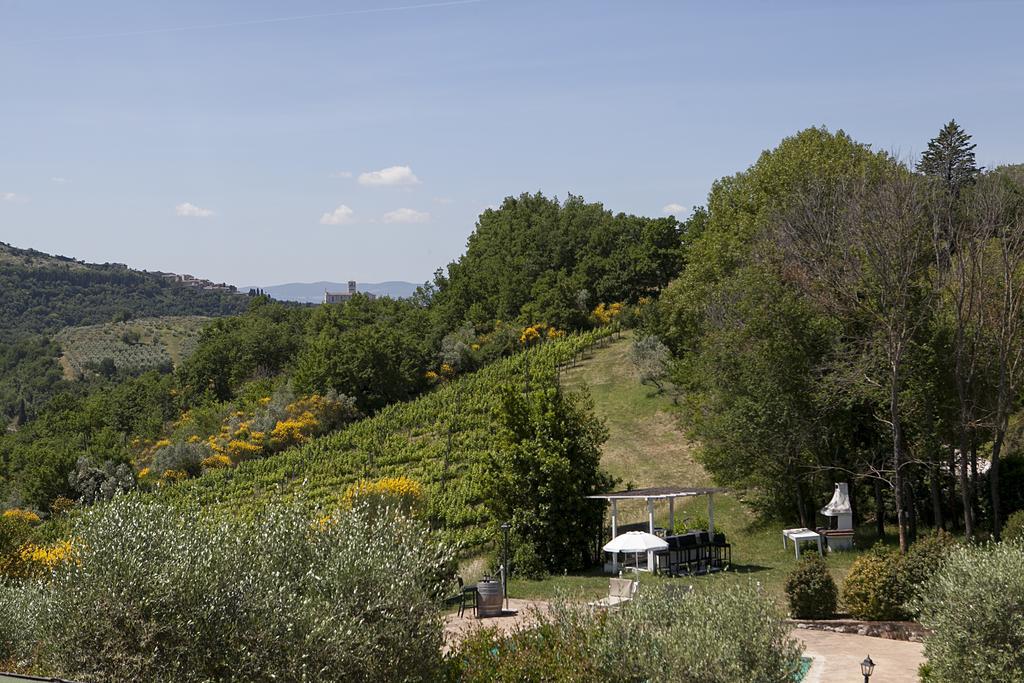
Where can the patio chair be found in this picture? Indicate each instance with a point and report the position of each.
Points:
(620, 591)
(467, 593)
(723, 550)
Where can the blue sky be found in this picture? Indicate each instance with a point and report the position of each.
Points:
(235, 141)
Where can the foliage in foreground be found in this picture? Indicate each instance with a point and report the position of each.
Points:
(167, 594)
(811, 590)
(973, 606)
(663, 635)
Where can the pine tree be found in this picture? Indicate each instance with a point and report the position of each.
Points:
(950, 156)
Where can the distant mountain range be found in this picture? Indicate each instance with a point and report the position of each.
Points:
(313, 292)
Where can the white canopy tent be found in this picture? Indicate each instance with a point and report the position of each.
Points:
(650, 496)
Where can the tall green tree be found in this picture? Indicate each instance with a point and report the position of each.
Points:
(547, 461)
(950, 157)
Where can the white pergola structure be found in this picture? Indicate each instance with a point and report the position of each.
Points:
(650, 496)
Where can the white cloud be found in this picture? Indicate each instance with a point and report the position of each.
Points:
(392, 175)
(406, 216)
(341, 174)
(673, 209)
(190, 210)
(13, 197)
(340, 216)
(59, 180)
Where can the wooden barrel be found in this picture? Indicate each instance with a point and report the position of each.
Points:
(489, 597)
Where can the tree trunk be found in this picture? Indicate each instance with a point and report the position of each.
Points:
(897, 456)
(965, 487)
(800, 507)
(993, 478)
(879, 511)
(952, 509)
(911, 501)
(934, 486)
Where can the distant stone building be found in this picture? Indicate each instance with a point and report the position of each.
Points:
(341, 297)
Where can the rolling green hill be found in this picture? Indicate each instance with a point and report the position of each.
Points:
(41, 294)
(132, 345)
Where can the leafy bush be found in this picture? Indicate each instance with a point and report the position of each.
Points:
(811, 590)
(15, 531)
(922, 560)
(159, 593)
(94, 484)
(973, 606)
(181, 457)
(1013, 528)
(713, 637)
(872, 589)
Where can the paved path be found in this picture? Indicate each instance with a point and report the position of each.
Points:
(837, 657)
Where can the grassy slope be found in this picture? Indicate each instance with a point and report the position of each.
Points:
(168, 338)
(647, 447)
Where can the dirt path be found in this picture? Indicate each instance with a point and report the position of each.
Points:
(520, 613)
(837, 657)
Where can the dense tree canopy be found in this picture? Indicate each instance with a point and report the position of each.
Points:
(842, 318)
(556, 260)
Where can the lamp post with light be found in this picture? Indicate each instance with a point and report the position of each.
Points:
(504, 563)
(867, 667)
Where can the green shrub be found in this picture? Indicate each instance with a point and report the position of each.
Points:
(663, 635)
(922, 560)
(972, 604)
(811, 590)
(1013, 528)
(168, 594)
(181, 456)
(14, 533)
(872, 589)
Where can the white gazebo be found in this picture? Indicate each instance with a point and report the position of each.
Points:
(650, 496)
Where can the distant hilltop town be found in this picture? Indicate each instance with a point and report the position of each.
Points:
(341, 297)
(196, 282)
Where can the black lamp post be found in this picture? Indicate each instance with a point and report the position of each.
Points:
(867, 667)
(504, 563)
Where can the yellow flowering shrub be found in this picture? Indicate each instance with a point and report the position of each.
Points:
(37, 560)
(239, 450)
(293, 431)
(402, 492)
(216, 462)
(23, 515)
(529, 336)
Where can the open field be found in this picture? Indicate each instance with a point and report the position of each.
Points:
(133, 345)
(646, 447)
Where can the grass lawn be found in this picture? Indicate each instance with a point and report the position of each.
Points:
(645, 447)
